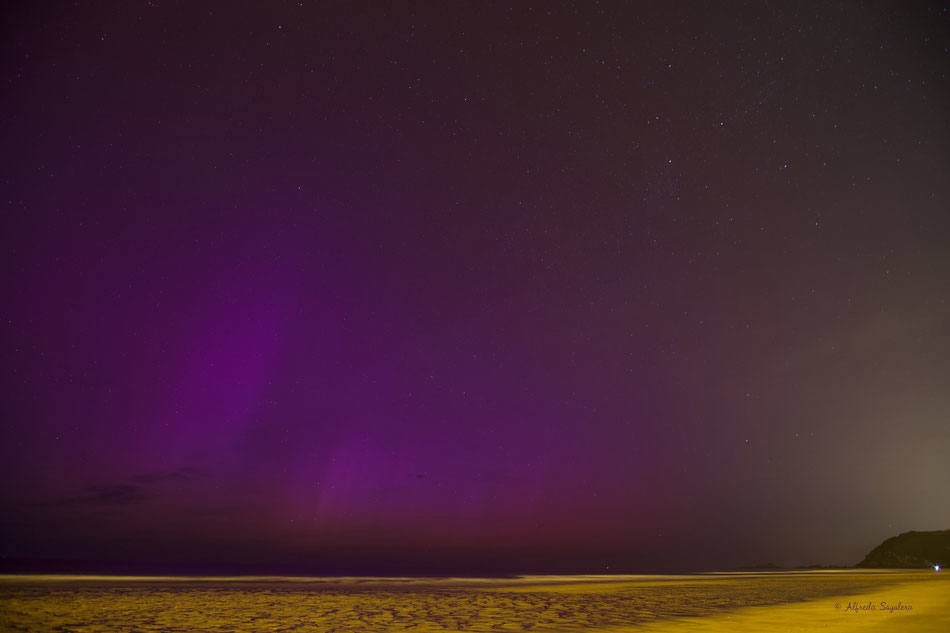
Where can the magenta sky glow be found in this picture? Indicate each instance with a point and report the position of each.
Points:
(474, 288)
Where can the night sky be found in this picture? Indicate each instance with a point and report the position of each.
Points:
(472, 288)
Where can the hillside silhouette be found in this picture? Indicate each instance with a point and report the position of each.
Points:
(911, 549)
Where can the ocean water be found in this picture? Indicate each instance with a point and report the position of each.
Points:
(531, 603)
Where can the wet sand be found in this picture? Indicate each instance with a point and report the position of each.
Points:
(781, 601)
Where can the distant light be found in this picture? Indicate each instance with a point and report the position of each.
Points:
(936, 567)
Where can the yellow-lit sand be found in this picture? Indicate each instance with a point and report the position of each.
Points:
(922, 605)
(794, 601)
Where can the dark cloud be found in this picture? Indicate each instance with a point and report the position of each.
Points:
(104, 495)
(133, 491)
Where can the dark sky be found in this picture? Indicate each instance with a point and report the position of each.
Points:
(473, 288)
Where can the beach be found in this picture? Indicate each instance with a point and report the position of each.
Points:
(849, 600)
